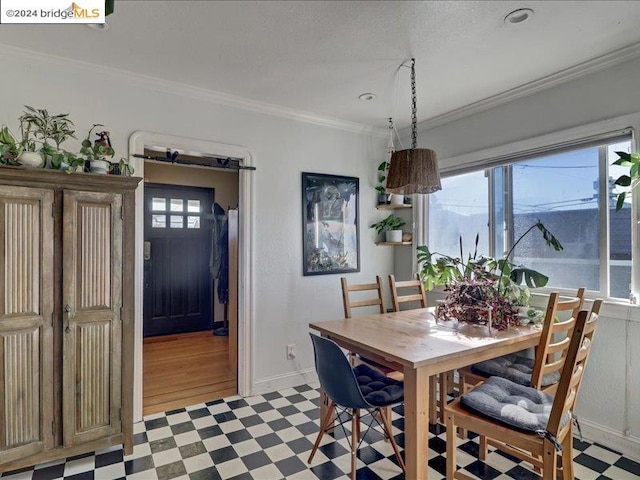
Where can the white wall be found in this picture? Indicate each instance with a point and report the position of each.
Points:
(609, 404)
(285, 301)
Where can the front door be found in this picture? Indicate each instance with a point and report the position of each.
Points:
(177, 244)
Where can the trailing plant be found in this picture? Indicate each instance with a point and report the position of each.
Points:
(10, 148)
(631, 160)
(382, 177)
(392, 222)
(96, 150)
(498, 285)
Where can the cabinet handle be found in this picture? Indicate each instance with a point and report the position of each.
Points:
(67, 314)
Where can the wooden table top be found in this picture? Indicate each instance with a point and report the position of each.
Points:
(413, 338)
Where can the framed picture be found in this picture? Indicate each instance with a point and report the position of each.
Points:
(330, 236)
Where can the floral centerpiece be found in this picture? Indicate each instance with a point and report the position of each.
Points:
(482, 290)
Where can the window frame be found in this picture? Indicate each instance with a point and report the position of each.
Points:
(605, 131)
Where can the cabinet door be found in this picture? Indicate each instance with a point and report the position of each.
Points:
(26, 316)
(91, 302)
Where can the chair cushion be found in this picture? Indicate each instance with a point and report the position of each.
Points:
(507, 402)
(378, 389)
(514, 367)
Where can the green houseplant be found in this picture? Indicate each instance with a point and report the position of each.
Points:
(392, 228)
(96, 153)
(631, 160)
(498, 285)
(383, 196)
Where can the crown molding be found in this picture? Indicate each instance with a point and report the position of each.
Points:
(196, 93)
(585, 68)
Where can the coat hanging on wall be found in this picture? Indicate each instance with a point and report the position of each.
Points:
(219, 259)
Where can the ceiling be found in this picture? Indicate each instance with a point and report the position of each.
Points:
(319, 56)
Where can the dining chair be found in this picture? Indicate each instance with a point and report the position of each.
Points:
(413, 292)
(525, 421)
(349, 303)
(543, 371)
(351, 389)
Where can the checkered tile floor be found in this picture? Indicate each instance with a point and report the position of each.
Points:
(270, 437)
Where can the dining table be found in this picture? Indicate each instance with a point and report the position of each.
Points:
(414, 343)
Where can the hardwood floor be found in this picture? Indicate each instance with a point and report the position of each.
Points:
(185, 369)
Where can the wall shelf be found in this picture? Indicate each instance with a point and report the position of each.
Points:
(391, 206)
(392, 244)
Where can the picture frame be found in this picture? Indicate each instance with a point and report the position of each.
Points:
(330, 230)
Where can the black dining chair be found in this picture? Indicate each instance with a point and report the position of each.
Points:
(353, 389)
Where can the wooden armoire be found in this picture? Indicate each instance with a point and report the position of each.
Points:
(66, 314)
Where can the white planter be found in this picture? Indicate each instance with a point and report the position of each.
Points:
(99, 166)
(393, 236)
(31, 159)
(397, 199)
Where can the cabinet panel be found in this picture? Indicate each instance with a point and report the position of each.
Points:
(26, 309)
(92, 300)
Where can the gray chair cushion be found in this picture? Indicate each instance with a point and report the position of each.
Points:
(507, 402)
(376, 388)
(514, 367)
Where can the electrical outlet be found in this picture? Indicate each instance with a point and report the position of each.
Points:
(291, 351)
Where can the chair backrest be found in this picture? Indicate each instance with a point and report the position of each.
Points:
(555, 336)
(417, 292)
(336, 375)
(362, 287)
(573, 371)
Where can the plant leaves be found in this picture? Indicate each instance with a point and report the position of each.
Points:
(623, 181)
(532, 278)
(620, 202)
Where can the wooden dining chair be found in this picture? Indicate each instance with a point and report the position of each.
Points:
(524, 421)
(542, 372)
(348, 291)
(413, 292)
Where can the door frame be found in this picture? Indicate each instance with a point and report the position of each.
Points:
(137, 141)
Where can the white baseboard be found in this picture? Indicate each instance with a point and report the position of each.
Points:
(283, 381)
(613, 439)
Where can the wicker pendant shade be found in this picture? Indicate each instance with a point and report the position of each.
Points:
(414, 170)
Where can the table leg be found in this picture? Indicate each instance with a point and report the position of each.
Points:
(416, 422)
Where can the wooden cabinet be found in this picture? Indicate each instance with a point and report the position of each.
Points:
(66, 314)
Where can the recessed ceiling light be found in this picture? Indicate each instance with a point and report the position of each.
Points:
(519, 16)
(365, 97)
(98, 26)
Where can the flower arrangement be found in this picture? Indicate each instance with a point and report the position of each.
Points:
(483, 286)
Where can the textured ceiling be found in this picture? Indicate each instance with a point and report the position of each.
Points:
(318, 56)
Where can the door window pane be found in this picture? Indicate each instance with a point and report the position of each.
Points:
(193, 221)
(177, 221)
(460, 209)
(177, 205)
(158, 221)
(158, 204)
(193, 206)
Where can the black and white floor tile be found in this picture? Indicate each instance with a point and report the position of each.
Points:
(270, 437)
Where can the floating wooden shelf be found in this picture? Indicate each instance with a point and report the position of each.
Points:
(392, 244)
(391, 206)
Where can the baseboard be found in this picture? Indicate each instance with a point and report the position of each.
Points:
(283, 381)
(628, 445)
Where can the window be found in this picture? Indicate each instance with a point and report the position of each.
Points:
(570, 191)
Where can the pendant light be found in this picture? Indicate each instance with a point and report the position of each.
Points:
(413, 170)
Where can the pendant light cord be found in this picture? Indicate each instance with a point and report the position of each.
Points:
(414, 108)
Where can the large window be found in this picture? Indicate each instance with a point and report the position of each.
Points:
(570, 191)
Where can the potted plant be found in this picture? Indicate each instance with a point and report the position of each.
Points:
(10, 148)
(96, 153)
(484, 283)
(121, 168)
(391, 226)
(39, 127)
(383, 196)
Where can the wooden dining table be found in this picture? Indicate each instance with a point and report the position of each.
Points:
(412, 342)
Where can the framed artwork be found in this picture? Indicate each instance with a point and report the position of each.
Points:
(330, 235)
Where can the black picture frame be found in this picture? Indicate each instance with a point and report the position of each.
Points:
(330, 224)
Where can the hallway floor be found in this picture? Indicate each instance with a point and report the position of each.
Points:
(269, 437)
(185, 369)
